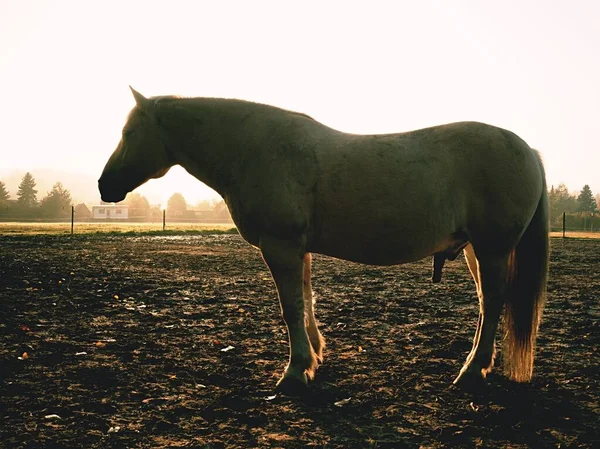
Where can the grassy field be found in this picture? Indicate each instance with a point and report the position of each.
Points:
(114, 228)
(156, 228)
(576, 235)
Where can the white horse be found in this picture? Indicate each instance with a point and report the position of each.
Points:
(294, 186)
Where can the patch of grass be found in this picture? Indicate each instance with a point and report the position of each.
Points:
(155, 229)
(130, 229)
(576, 235)
(212, 231)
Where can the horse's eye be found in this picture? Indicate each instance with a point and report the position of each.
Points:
(128, 133)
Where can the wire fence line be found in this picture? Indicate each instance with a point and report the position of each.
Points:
(566, 225)
(86, 224)
(576, 223)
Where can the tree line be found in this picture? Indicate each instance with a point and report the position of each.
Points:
(561, 201)
(58, 201)
(176, 208)
(57, 204)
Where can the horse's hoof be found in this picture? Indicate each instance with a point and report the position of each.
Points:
(470, 380)
(292, 385)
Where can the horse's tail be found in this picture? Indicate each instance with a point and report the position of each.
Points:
(528, 273)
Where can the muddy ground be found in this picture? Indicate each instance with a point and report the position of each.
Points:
(177, 341)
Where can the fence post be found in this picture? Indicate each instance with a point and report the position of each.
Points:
(564, 223)
(72, 217)
(164, 219)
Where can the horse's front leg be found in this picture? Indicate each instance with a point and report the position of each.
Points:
(285, 260)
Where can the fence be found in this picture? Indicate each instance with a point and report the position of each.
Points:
(572, 224)
(576, 224)
(161, 220)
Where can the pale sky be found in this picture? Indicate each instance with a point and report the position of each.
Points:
(532, 67)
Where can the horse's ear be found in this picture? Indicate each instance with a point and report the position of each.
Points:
(141, 101)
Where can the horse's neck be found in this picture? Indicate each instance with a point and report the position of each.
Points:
(210, 139)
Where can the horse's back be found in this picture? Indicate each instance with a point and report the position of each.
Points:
(399, 197)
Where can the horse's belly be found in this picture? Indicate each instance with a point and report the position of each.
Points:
(370, 257)
(382, 223)
(380, 245)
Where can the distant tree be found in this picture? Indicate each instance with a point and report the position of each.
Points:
(4, 196)
(27, 194)
(176, 204)
(155, 213)
(138, 205)
(561, 201)
(204, 205)
(82, 212)
(57, 203)
(221, 211)
(585, 200)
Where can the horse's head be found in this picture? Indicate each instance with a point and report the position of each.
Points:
(140, 155)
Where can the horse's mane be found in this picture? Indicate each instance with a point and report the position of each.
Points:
(171, 99)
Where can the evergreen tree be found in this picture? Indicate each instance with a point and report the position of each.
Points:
(27, 194)
(4, 196)
(585, 200)
(57, 203)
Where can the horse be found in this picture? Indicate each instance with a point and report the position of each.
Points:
(295, 187)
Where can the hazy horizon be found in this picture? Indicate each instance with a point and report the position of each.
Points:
(383, 67)
(83, 187)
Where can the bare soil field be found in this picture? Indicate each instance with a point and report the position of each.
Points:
(177, 341)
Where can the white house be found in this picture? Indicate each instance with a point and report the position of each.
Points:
(110, 212)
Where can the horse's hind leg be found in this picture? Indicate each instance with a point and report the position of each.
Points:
(472, 264)
(493, 288)
(316, 339)
(285, 260)
(474, 269)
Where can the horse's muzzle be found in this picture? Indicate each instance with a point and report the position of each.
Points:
(109, 194)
